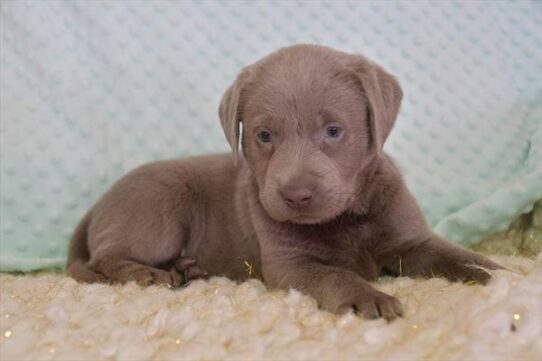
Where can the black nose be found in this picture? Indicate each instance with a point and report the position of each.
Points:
(297, 197)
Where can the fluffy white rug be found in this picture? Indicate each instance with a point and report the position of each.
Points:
(49, 316)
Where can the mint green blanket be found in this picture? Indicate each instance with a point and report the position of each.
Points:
(90, 90)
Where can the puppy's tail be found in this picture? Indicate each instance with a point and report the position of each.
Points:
(78, 255)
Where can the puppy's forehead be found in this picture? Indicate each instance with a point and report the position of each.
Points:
(301, 88)
(297, 70)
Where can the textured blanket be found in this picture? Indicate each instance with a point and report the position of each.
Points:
(50, 317)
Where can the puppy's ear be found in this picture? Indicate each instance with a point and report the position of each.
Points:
(383, 94)
(231, 108)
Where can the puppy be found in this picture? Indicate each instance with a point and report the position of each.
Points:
(313, 203)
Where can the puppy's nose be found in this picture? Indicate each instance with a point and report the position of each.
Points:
(297, 197)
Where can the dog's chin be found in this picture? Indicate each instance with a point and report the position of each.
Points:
(304, 218)
(307, 219)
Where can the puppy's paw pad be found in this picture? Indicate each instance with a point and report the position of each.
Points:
(190, 270)
(148, 277)
(143, 278)
(177, 278)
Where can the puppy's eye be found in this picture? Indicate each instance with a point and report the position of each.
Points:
(264, 136)
(333, 131)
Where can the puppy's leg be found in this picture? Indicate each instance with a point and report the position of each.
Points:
(410, 248)
(140, 226)
(436, 257)
(121, 270)
(82, 273)
(335, 289)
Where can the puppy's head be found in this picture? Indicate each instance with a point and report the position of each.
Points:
(313, 118)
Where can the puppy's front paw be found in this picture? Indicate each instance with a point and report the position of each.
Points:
(469, 273)
(475, 269)
(373, 305)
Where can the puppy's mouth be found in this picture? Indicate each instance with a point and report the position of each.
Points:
(300, 217)
(317, 214)
(321, 211)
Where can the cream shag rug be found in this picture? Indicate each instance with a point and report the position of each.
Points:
(49, 316)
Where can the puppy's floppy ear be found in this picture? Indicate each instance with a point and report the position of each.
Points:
(231, 108)
(383, 94)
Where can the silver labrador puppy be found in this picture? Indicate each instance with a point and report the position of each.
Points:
(312, 204)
